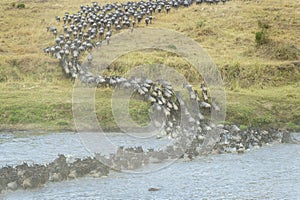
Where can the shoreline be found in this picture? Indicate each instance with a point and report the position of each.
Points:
(39, 129)
(31, 176)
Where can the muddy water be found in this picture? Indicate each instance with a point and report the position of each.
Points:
(271, 172)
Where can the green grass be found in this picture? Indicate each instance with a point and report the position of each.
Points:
(262, 82)
(28, 105)
(277, 107)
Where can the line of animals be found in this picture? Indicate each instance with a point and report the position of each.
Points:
(92, 25)
(232, 139)
(194, 135)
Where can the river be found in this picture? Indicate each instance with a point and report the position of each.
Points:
(270, 172)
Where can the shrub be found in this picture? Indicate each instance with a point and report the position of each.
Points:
(261, 37)
(21, 5)
(172, 46)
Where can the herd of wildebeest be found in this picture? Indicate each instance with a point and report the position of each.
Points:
(194, 134)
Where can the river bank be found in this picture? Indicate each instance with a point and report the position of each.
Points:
(261, 82)
(36, 170)
(48, 107)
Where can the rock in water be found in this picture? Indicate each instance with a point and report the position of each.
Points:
(152, 189)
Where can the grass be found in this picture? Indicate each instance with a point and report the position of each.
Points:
(277, 107)
(262, 82)
(28, 105)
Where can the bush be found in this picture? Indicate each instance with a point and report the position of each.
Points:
(21, 5)
(261, 37)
